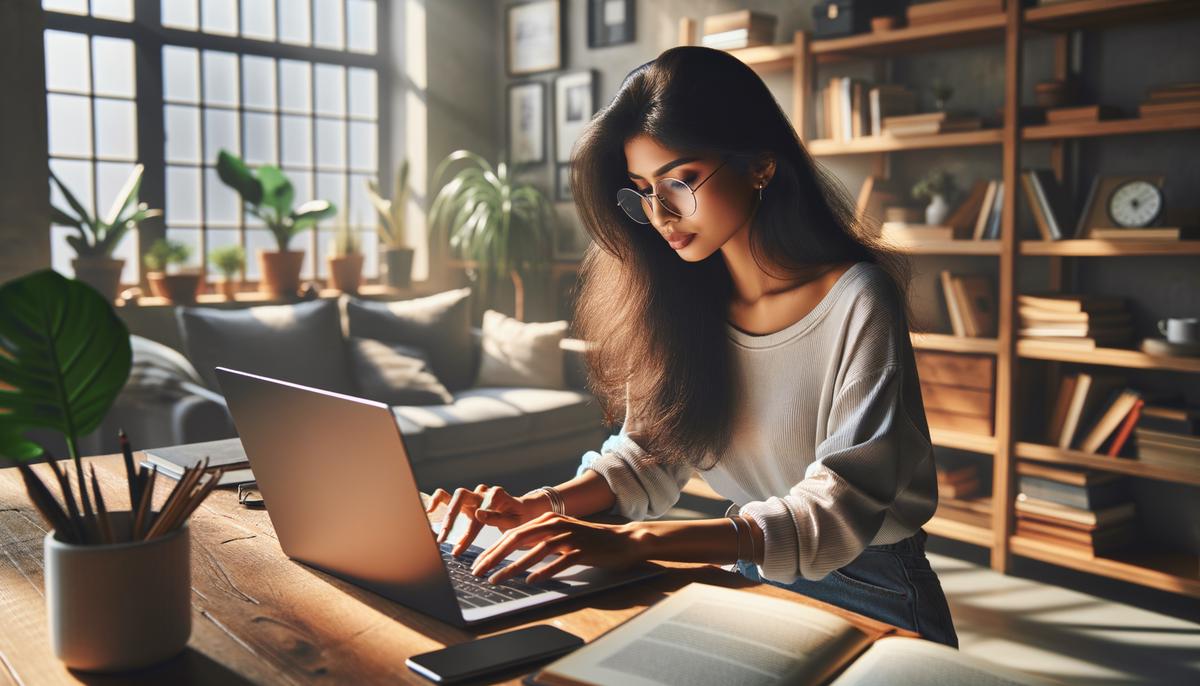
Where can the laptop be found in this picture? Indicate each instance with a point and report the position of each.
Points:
(339, 490)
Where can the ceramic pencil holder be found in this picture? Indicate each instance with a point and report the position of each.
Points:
(119, 606)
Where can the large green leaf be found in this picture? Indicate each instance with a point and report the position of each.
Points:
(64, 357)
(238, 176)
(277, 191)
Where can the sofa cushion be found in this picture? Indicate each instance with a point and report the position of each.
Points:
(395, 374)
(300, 342)
(516, 353)
(439, 324)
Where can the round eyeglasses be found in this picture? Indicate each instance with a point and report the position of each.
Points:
(674, 195)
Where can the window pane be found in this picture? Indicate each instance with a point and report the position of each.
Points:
(363, 101)
(296, 91)
(363, 146)
(127, 250)
(67, 62)
(72, 6)
(361, 211)
(70, 123)
(220, 16)
(191, 238)
(183, 134)
(302, 182)
(183, 196)
(180, 14)
(116, 129)
(332, 187)
(259, 134)
(331, 144)
(220, 201)
(181, 74)
(258, 19)
(220, 132)
(76, 175)
(297, 144)
(220, 78)
(360, 26)
(221, 238)
(324, 248)
(121, 10)
(110, 179)
(113, 58)
(328, 18)
(331, 90)
(294, 25)
(258, 81)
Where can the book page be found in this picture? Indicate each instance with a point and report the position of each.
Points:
(711, 635)
(898, 661)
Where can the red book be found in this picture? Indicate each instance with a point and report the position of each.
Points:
(1126, 429)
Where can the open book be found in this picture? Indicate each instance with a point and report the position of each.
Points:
(711, 635)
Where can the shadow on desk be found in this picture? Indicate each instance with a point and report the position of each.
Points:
(190, 666)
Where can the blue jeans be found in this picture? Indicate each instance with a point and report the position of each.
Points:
(892, 583)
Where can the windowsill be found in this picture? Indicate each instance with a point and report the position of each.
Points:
(367, 291)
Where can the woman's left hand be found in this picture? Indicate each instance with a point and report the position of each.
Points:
(576, 541)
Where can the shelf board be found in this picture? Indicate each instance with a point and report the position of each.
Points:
(954, 344)
(1099, 13)
(959, 440)
(824, 147)
(953, 247)
(1122, 465)
(955, 33)
(1109, 357)
(767, 58)
(1111, 127)
(1167, 571)
(1090, 247)
(960, 524)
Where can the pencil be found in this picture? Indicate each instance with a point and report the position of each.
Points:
(147, 495)
(182, 487)
(212, 483)
(130, 470)
(101, 511)
(69, 498)
(182, 494)
(45, 503)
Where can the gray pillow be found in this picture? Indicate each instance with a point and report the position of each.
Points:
(300, 342)
(395, 374)
(439, 324)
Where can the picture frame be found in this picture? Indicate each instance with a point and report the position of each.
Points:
(574, 105)
(611, 22)
(534, 40)
(562, 183)
(526, 122)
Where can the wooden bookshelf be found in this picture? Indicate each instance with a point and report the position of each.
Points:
(1164, 570)
(960, 440)
(767, 58)
(962, 520)
(955, 33)
(1126, 126)
(1109, 357)
(1094, 14)
(954, 344)
(1121, 465)
(955, 247)
(890, 143)
(1090, 247)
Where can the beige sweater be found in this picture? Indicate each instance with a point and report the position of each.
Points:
(830, 449)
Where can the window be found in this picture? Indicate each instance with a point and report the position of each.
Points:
(294, 83)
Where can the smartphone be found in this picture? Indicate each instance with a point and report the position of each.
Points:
(491, 654)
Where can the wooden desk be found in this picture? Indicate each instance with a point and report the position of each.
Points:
(261, 618)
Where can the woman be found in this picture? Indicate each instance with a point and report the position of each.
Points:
(753, 335)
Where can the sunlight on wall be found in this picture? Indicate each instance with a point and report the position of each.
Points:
(416, 133)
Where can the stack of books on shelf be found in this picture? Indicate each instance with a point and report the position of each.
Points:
(930, 123)
(1047, 202)
(1173, 98)
(958, 390)
(741, 29)
(970, 303)
(1081, 114)
(1076, 322)
(945, 10)
(959, 483)
(1168, 436)
(1094, 413)
(977, 217)
(1087, 511)
(845, 114)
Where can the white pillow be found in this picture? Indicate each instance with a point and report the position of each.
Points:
(516, 353)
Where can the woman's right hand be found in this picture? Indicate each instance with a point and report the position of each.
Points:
(485, 505)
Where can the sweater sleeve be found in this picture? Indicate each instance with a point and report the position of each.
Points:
(868, 458)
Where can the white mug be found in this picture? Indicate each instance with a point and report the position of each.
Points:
(1181, 330)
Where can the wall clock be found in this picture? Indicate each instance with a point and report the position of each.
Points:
(1135, 204)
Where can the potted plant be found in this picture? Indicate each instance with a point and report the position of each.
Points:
(937, 186)
(268, 194)
(504, 226)
(397, 254)
(346, 260)
(229, 261)
(99, 236)
(165, 277)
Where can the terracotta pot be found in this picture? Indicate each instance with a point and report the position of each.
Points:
(397, 267)
(345, 273)
(229, 288)
(101, 273)
(280, 272)
(179, 288)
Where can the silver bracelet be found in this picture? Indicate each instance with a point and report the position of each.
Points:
(753, 545)
(557, 506)
(737, 531)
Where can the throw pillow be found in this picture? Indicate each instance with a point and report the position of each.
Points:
(517, 353)
(301, 343)
(395, 374)
(438, 324)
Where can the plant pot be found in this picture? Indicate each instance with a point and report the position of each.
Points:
(397, 263)
(936, 211)
(280, 272)
(345, 272)
(179, 288)
(101, 273)
(229, 288)
(119, 606)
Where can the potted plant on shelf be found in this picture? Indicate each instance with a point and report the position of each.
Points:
(346, 260)
(165, 277)
(268, 194)
(397, 254)
(504, 226)
(937, 186)
(99, 236)
(229, 260)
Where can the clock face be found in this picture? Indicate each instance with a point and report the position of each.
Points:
(1135, 203)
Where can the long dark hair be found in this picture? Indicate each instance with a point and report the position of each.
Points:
(657, 322)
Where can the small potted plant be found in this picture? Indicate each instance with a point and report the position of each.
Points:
(99, 236)
(346, 260)
(937, 186)
(165, 276)
(397, 254)
(229, 261)
(268, 194)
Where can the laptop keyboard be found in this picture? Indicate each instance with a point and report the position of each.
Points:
(477, 591)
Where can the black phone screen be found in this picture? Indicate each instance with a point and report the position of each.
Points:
(493, 653)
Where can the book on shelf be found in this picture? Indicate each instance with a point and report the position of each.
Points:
(1075, 476)
(954, 306)
(992, 232)
(1162, 109)
(1121, 438)
(173, 460)
(1081, 114)
(889, 100)
(1086, 497)
(1047, 202)
(966, 215)
(1172, 418)
(1065, 302)
(1108, 419)
(739, 29)
(1157, 233)
(708, 635)
(985, 210)
(1094, 542)
(945, 10)
(1168, 449)
(970, 303)
(1171, 92)
(1034, 316)
(930, 123)
(1087, 391)
(1077, 517)
(1105, 335)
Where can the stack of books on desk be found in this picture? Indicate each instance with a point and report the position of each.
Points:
(1083, 510)
(959, 483)
(1080, 322)
(1173, 98)
(929, 123)
(1169, 436)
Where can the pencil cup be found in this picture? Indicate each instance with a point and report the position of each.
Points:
(119, 606)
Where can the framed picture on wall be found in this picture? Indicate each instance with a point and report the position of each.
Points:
(534, 31)
(526, 122)
(610, 22)
(574, 105)
(562, 183)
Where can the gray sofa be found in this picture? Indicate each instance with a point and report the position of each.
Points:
(517, 437)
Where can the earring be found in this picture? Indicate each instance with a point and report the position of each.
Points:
(760, 190)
